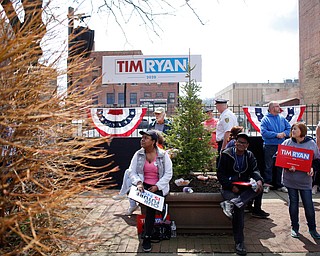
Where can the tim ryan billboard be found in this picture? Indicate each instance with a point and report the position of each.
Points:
(149, 69)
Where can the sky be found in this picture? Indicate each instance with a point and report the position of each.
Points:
(243, 41)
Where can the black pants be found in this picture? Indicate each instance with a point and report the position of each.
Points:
(316, 169)
(219, 149)
(150, 214)
(238, 214)
(257, 202)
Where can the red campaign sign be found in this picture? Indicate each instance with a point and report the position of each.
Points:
(289, 156)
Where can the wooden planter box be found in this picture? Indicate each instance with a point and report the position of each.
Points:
(198, 213)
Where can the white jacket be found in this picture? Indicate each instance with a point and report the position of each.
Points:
(163, 163)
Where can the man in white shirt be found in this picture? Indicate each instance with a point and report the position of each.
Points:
(226, 121)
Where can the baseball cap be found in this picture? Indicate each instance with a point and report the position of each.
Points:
(243, 135)
(152, 133)
(206, 110)
(159, 110)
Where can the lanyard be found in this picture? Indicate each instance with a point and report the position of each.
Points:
(239, 160)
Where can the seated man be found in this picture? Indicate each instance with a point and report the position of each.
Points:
(237, 164)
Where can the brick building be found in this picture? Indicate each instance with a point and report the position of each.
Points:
(130, 94)
(309, 41)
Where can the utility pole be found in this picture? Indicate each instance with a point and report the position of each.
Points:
(70, 31)
(125, 95)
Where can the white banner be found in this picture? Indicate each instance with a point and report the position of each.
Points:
(150, 69)
(147, 198)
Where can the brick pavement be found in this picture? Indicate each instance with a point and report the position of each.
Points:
(108, 231)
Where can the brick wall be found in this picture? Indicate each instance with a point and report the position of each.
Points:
(309, 29)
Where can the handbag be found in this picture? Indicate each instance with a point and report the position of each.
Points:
(161, 231)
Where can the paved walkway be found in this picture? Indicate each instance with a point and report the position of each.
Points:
(111, 232)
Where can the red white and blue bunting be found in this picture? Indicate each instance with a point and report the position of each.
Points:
(117, 121)
(255, 114)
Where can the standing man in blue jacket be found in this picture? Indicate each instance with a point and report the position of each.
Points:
(274, 129)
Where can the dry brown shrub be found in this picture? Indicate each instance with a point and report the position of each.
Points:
(42, 164)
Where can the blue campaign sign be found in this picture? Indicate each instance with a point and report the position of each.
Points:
(166, 65)
(149, 69)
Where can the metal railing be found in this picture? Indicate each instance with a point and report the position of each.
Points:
(311, 117)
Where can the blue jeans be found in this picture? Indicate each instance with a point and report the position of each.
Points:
(269, 151)
(306, 197)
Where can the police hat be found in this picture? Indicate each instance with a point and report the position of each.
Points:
(220, 101)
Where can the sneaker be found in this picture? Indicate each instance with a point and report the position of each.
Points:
(227, 208)
(261, 214)
(132, 209)
(314, 234)
(266, 189)
(237, 202)
(146, 244)
(294, 234)
(314, 189)
(283, 189)
(240, 249)
(119, 197)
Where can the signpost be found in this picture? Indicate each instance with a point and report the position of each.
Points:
(150, 69)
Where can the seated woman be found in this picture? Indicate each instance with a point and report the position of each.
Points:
(126, 182)
(150, 169)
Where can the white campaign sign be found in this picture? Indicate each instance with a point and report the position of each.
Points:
(147, 198)
(150, 69)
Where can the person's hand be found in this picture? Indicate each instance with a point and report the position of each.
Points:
(259, 186)
(140, 187)
(153, 188)
(281, 135)
(292, 169)
(311, 172)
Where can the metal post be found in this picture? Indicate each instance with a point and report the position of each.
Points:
(70, 32)
(125, 95)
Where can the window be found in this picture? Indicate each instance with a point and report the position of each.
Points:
(159, 95)
(171, 95)
(147, 95)
(95, 100)
(121, 98)
(133, 98)
(110, 98)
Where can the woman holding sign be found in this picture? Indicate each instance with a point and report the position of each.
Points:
(150, 169)
(300, 182)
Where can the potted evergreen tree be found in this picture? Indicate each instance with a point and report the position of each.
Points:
(188, 136)
(189, 139)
